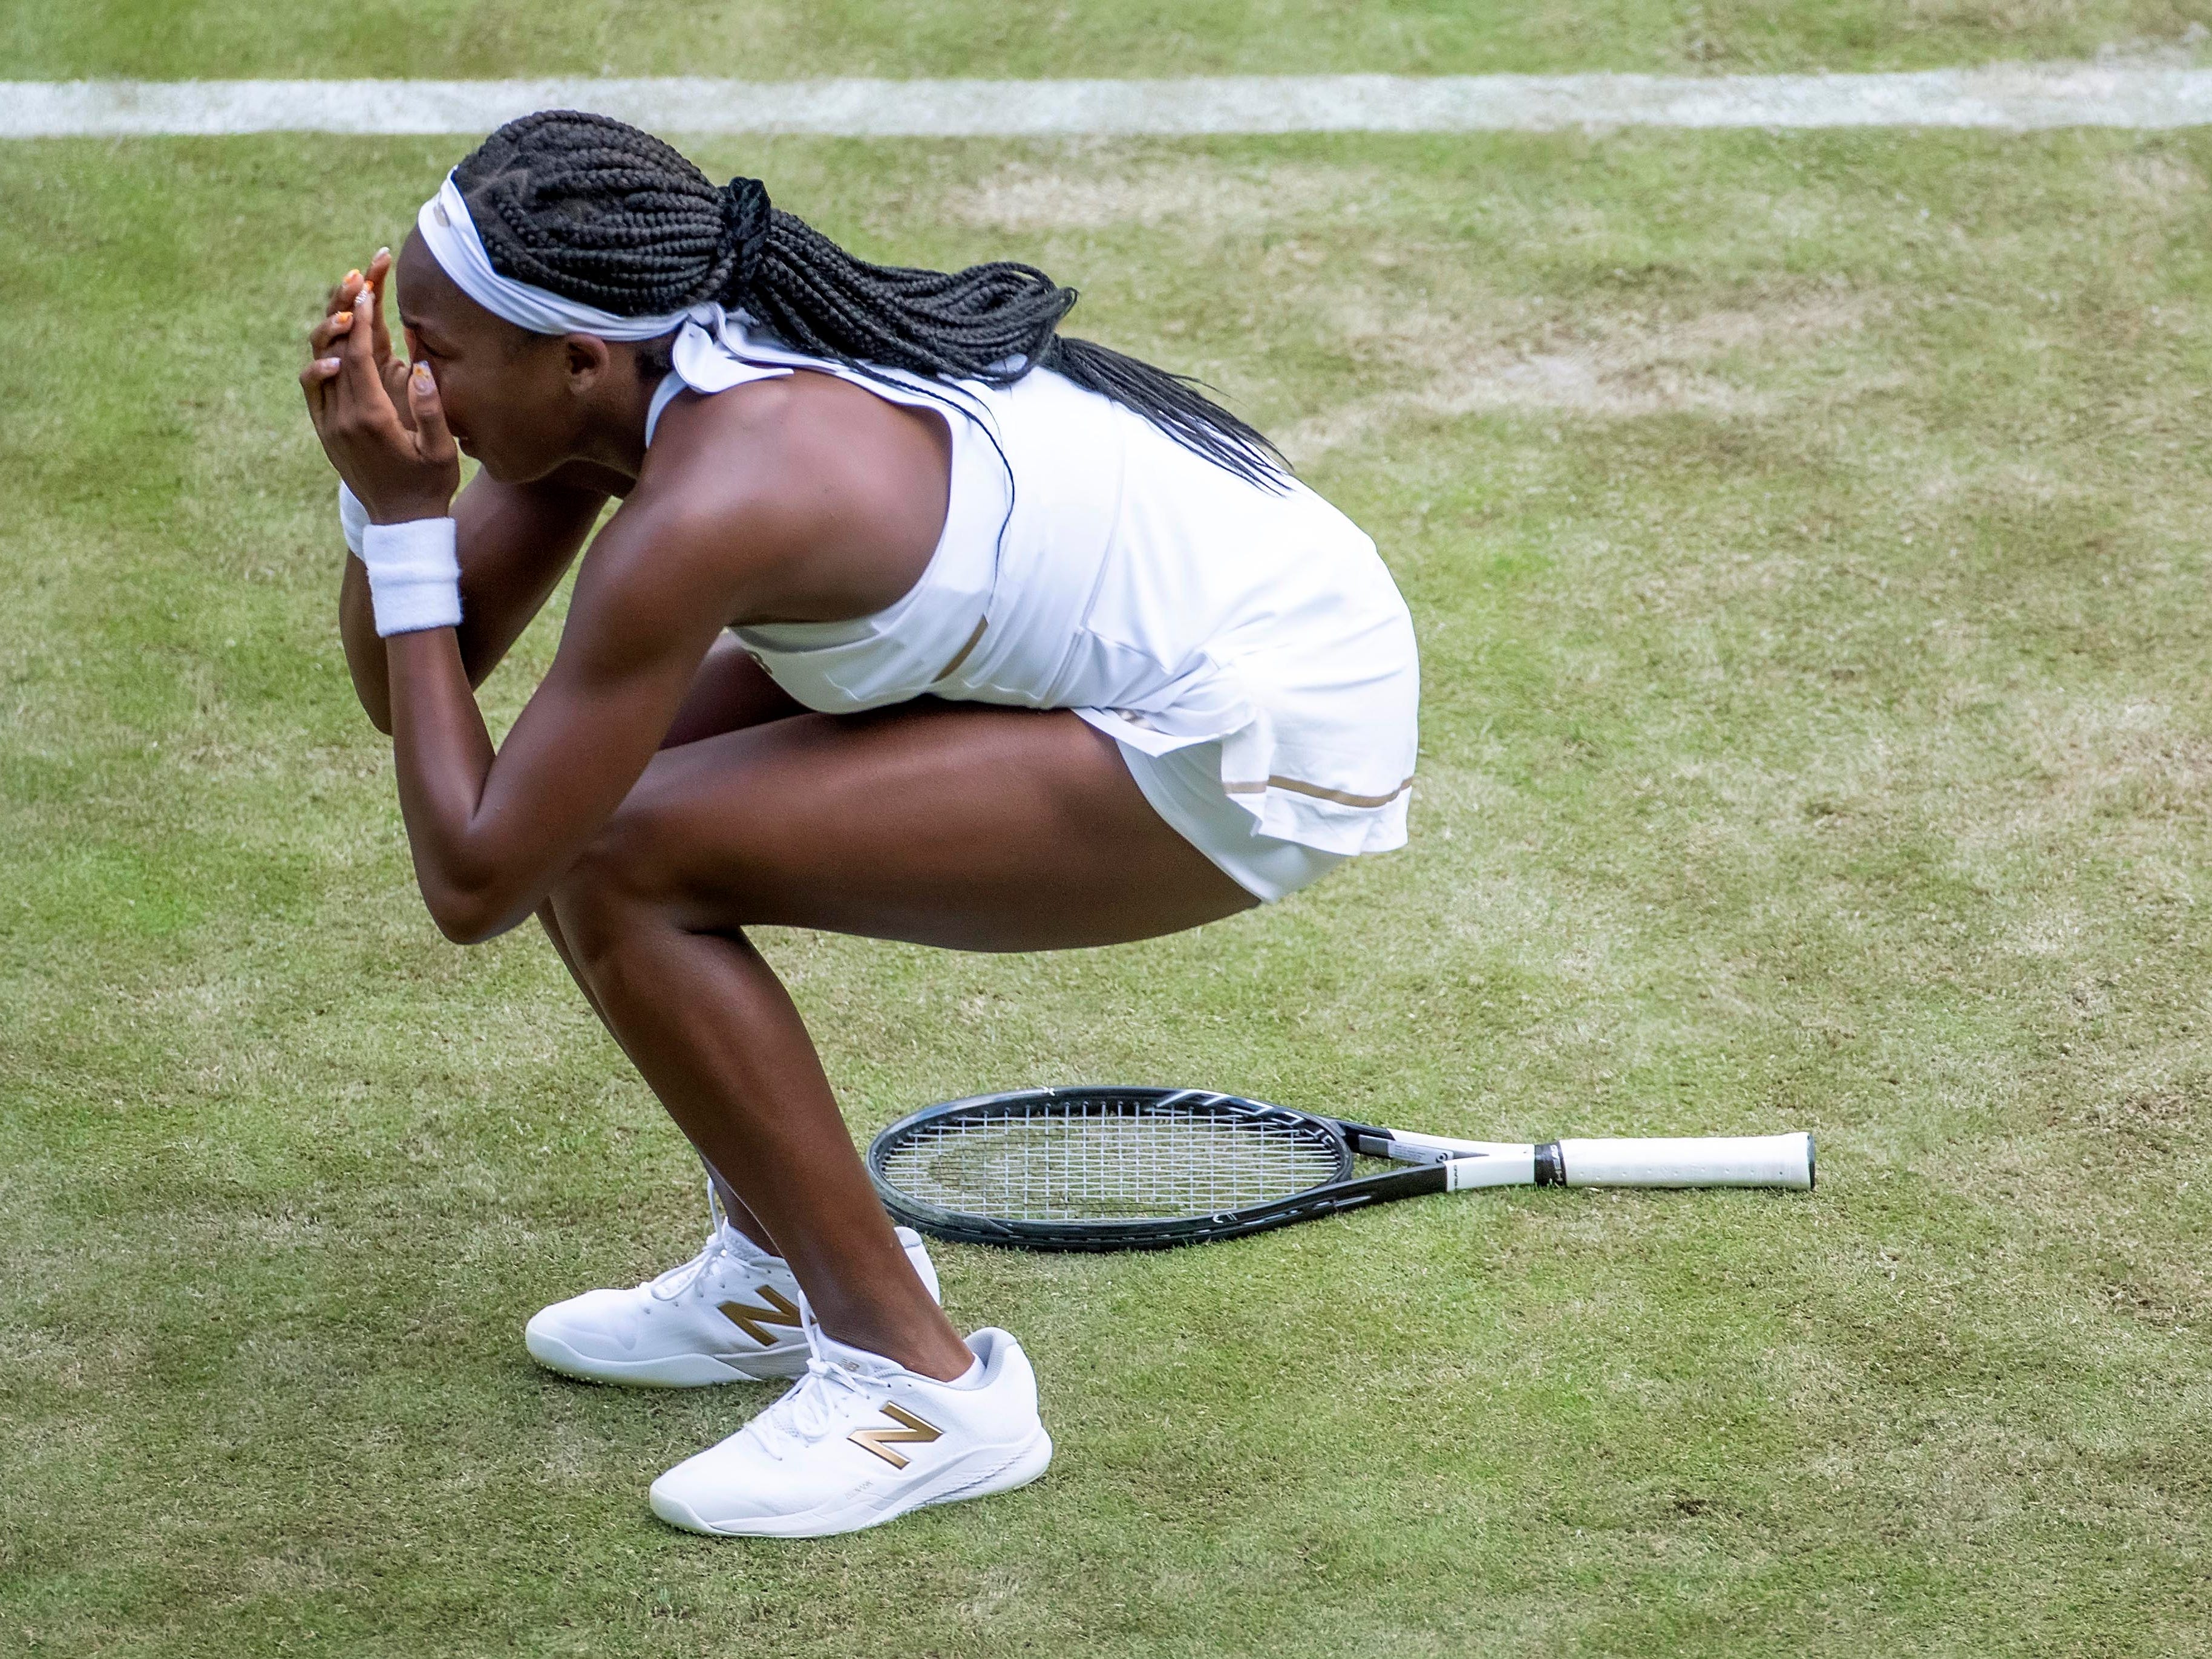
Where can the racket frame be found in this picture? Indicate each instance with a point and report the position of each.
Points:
(1436, 1164)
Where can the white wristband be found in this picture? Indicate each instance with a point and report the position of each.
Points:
(414, 575)
(353, 518)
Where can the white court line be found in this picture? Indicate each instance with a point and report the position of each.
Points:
(2008, 97)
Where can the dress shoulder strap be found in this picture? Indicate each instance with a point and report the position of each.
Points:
(707, 361)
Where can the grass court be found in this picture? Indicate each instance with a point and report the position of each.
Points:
(1806, 535)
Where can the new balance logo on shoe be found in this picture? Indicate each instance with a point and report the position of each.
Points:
(781, 1310)
(880, 1441)
(675, 1330)
(789, 1472)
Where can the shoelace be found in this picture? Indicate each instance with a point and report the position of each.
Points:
(810, 1408)
(668, 1285)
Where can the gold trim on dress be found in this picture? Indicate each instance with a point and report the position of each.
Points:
(960, 656)
(1297, 787)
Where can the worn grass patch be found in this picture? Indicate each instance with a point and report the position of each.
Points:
(1806, 539)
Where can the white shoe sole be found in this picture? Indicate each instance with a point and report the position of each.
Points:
(986, 1470)
(678, 1371)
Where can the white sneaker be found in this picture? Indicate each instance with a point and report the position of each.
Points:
(730, 1314)
(860, 1439)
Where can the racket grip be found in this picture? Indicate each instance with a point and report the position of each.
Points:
(1706, 1161)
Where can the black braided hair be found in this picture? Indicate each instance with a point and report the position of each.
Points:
(597, 211)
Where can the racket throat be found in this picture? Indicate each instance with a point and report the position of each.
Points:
(1369, 1141)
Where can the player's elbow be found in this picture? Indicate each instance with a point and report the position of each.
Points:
(472, 914)
(460, 920)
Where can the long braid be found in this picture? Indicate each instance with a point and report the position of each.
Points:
(592, 209)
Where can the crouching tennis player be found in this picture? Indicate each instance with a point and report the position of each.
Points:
(918, 620)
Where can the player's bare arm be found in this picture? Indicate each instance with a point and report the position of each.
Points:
(803, 499)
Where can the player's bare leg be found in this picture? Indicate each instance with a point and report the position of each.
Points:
(730, 692)
(991, 829)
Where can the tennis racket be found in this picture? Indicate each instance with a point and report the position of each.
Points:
(1139, 1168)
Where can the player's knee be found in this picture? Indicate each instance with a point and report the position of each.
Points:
(620, 883)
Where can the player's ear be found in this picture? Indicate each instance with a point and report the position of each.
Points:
(588, 356)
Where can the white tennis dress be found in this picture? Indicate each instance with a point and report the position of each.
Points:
(1246, 648)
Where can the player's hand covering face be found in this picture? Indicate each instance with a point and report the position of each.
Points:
(381, 424)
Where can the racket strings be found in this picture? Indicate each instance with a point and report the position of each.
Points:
(1106, 1159)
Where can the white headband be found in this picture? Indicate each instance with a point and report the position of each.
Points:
(451, 236)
